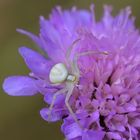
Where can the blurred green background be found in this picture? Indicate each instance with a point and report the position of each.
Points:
(19, 116)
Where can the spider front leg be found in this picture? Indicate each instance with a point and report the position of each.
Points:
(75, 68)
(62, 91)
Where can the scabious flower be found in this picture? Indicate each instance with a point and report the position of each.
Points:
(106, 98)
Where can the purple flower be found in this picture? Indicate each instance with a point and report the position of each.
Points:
(93, 68)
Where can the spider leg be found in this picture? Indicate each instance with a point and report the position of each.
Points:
(75, 59)
(62, 91)
(68, 53)
(68, 95)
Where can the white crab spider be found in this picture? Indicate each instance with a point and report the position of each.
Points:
(60, 74)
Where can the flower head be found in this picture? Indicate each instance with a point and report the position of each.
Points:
(98, 94)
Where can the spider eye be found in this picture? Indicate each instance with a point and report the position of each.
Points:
(58, 73)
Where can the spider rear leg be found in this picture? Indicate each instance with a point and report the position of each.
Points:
(68, 95)
(62, 91)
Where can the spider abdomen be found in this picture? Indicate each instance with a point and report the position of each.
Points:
(58, 73)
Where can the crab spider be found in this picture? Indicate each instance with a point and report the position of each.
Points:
(60, 74)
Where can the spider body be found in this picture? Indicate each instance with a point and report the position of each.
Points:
(60, 74)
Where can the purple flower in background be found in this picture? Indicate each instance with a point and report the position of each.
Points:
(90, 77)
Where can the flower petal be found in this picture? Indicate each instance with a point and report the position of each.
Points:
(20, 86)
(51, 41)
(37, 63)
(35, 38)
(114, 135)
(60, 100)
(93, 135)
(71, 129)
(136, 122)
(55, 114)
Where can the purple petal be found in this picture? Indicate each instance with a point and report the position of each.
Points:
(51, 41)
(120, 127)
(48, 30)
(114, 135)
(95, 116)
(37, 63)
(53, 50)
(136, 122)
(55, 115)
(60, 99)
(93, 135)
(71, 129)
(20, 86)
(35, 38)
